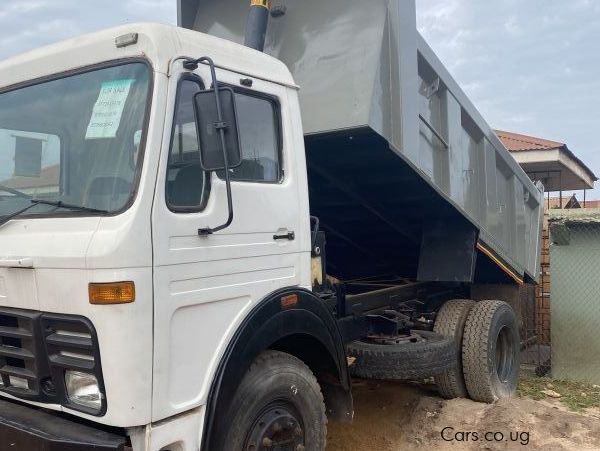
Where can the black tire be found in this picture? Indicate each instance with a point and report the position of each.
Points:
(450, 322)
(431, 355)
(277, 390)
(491, 351)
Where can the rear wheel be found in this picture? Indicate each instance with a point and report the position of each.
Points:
(278, 406)
(491, 351)
(450, 322)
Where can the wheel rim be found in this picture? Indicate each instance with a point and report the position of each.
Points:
(383, 339)
(278, 427)
(504, 354)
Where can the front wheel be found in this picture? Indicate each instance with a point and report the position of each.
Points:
(278, 406)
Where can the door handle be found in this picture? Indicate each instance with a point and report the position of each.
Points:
(16, 263)
(290, 236)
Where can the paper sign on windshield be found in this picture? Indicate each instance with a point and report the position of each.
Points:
(108, 109)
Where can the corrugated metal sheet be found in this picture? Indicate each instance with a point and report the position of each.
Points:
(575, 216)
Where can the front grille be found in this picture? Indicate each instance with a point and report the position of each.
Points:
(20, 370)
(37, 348)
(69, 344)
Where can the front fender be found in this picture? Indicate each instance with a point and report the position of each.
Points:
(284, 313)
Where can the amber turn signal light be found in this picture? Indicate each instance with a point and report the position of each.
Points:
(111, 293)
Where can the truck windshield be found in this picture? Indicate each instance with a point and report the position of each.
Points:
(73, 142)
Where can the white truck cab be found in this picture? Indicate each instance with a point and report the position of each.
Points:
(184, 266)
(112, 126)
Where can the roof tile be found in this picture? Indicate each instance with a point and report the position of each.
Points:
(515, 142)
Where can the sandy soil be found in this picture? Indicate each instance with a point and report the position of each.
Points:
(395, 416)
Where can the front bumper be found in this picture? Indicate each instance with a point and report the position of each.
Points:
(28, 429)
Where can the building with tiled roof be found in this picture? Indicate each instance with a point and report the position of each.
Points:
(551, 162)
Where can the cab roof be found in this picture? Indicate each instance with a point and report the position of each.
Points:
(159, 44)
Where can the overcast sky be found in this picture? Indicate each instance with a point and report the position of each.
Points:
(529, 66)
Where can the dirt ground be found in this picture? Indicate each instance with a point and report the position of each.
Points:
(393, 416)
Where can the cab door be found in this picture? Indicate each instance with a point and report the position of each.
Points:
(204, 285)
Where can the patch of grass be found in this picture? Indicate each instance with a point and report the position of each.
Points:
(531, 387)
(577, 396)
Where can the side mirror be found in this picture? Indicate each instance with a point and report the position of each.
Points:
(209, 139)
(218, 133)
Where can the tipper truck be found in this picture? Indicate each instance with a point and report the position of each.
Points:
(207, 230)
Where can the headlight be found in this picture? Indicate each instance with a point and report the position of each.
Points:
(83, 389)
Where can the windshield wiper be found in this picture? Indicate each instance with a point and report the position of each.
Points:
(61, 204)
(53, 203)
(5, 219)
(16, 192)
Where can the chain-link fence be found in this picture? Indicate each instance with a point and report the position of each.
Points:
(574, 296)
(560, 316)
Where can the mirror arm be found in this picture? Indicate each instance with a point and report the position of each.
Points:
(220, 126)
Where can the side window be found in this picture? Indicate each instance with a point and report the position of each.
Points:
(258, 121)
(187, 183)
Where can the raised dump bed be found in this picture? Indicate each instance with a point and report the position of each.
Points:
(405, 175)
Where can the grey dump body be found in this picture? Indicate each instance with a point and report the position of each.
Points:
(404, 173)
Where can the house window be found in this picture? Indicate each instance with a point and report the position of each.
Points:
(30, 163)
